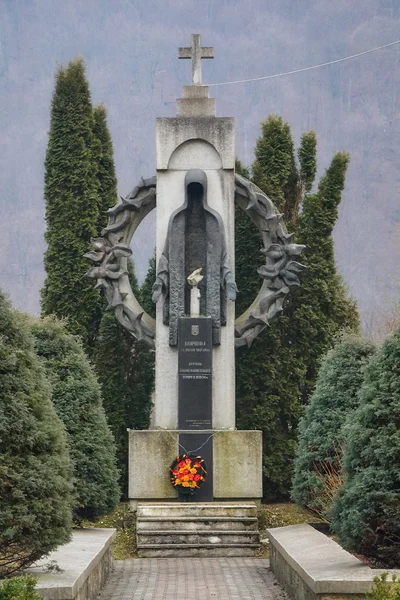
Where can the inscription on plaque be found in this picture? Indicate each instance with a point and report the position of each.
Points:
(195, 373)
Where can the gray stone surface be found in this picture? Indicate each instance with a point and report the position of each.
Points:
(84, 564)
(193, 528)
(192, 523)
(196, 107)
(150, 455)
(198, 91)
(197, 551)
(192, 579)
(183, 144)
(238, 464)
(196, 53)
(172, 132)
(197, 509)
(310, 565)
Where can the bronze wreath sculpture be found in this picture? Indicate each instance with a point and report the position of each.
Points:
(111, 252)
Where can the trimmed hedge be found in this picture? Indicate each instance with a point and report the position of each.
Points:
(77, 399)
(321, 432)
(366, 514)
(35, 471)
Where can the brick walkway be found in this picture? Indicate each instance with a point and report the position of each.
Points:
(192, 579)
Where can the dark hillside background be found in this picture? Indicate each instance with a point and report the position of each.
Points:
(130, 49)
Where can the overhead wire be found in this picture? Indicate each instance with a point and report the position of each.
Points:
(331, 62)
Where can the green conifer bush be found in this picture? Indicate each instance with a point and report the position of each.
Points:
(19, 588)
(317, 466)
(77, 399)
(107, 191)
(72, 195)
(274, 378)
(366, 514)
(384, 589)
(35, 470)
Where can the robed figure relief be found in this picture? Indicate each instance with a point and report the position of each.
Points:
(195, 239)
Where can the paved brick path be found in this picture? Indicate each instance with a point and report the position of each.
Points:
(192, 579)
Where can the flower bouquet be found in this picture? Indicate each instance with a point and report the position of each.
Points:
(188, 473)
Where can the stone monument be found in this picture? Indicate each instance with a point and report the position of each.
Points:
(195, 331)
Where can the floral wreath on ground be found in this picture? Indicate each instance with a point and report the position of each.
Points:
(188, 473)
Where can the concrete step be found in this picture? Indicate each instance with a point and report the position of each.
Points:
(199, 538)
(197, 529)
(194, 523)
(194, 550)
(197, 509)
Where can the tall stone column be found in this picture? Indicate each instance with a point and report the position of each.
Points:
(195, 138)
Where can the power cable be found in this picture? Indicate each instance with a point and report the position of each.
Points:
(331, 62)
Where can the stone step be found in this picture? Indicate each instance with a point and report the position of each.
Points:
(193, 550)
(196, 509)
(195, 523)
(197, 529)
(198, 538)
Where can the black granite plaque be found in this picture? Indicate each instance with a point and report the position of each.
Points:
(200, 444)
(195, 373)
(195, 406)
(195, 345)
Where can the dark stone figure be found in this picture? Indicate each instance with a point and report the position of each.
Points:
(195, 239)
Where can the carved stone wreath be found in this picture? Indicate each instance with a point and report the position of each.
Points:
(111, 252)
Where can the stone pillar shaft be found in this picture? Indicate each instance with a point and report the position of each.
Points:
(207, 143)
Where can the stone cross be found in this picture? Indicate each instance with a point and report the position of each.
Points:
(196, 53)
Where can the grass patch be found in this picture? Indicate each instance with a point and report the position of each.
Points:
(123, 521)
(279, 515)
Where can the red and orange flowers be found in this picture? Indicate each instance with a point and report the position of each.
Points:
(188, 473)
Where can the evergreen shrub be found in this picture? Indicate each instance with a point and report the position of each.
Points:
(19, 588)
(276, 376)
(383, 589)
(77, 399)
(72, 193)
(366, 514)
(317, 466)
(35, 471)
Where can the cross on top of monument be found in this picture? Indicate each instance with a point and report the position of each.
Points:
(196, 53)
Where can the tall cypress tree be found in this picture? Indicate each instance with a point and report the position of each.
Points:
(107, 190)
(72, 204)
(274, 377)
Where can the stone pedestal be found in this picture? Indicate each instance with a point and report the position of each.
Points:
(237, 464)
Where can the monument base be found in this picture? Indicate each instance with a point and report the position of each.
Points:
(236, 468)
